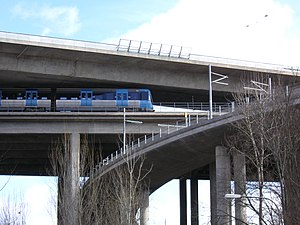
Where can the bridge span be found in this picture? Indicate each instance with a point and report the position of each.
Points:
(191, 152)
(28, 61)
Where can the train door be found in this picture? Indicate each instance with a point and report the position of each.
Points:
(122, 97)
(31, 97)
(86, 97)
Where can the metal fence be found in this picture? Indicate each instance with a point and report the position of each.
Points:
(162, 131)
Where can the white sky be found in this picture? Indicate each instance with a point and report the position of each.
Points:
(258, 30)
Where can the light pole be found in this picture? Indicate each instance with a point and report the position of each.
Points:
(124, 127)
(217, 81)
(262, 87)
(239, 206)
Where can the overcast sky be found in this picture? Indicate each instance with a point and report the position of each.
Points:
(258, 30)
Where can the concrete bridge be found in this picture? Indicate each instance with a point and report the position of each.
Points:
(194, 152)
(28, 61)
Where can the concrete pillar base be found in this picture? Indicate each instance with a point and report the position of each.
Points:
(183, 201)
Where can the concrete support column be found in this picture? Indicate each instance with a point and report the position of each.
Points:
(72, 185)
(144, 220)
(223, 178)
(239, 168)
(183, 201)
(213, 195)
(194, 201)
(53, 99)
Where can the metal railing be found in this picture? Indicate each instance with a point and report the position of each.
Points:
(164, 129)
(218, 107)
(150, 48)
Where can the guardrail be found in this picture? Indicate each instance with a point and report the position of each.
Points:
(217, 107)
(164, 129)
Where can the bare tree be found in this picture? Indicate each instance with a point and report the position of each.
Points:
(112, 198)
(13, 211)
(268, 136)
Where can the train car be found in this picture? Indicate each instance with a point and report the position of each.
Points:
(131, 99)
(88, 100)
(29, 102)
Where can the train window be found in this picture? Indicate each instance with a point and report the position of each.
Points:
(34, 95)
(133, 96)
(144, 95)
(119, 96)
(89, 95)
(122, 96)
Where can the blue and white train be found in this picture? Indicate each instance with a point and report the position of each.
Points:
(113, 100)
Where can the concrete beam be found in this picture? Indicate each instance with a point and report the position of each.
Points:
(223, 178)
(144, 220)
(194, 202)
(69, 188)
(88, 123)
(213, 195)
(239, 170)
(183, 201)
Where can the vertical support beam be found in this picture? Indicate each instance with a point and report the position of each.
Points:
(60, 207)
(213, 195)
(183, 201)
(124, 130)
(194, 201)
(240, 187)
(210, 92)
(144, 220)
(53, 100)
(72, 186)
(223, 178)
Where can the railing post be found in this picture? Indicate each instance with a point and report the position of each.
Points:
(152, 136)
(139, 142)
(145, 139)
(160, 132)
(197, 119)
(232, 107)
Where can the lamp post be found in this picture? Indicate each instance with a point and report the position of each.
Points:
(124, 127)
(211, 82)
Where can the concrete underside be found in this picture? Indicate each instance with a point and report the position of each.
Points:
(28, 64)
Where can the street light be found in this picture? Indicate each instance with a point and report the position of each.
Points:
(124, 127)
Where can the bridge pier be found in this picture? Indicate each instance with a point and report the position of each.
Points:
(144, 220)
(239, 169)
(68, 186)
(183, 201)
(213, 199)
(194, 201)
(220, 177)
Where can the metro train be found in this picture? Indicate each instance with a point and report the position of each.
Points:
(88, 100)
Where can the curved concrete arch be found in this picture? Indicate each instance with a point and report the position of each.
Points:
(180, 152)
(183, 151)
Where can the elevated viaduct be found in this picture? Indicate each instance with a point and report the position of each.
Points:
(28, 61)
